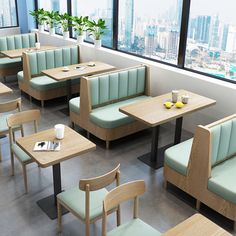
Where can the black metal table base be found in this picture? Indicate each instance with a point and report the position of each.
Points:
(48, 206)
(146, 158)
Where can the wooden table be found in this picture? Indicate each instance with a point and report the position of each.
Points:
(4, 89)
(76, 71)
(72, 145)
(197, 225)
(18, 52)
(153, 113)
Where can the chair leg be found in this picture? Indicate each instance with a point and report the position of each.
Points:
(30, 98)
(165, 184)
(107, 144)
(42, 103)
(87, 229)
(198, 205)
(12, 164)
(118, 216)
(88, 135)
(73, 125)
(25, 178)
(59, 216)
(4, 79)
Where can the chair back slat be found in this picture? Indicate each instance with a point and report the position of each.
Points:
(123, 193)
(23, 117)
(100, 181)
(10, 105)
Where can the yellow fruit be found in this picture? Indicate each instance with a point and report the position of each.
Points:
(179, 104)
(168, 105)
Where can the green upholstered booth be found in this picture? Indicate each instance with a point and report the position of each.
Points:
(10, 66)
(205, 166)
(42, 87)
(97, 109)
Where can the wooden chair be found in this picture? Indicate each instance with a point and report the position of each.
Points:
(19, 119)
(8, 107)
(85, 201)
(122, 193)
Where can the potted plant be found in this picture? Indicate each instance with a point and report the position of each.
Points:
(80, 25)
(65, 20)
(52, 20)
(40, 18)
(96, 29)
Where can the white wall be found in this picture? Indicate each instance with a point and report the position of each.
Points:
(9, 31)
(165, 78)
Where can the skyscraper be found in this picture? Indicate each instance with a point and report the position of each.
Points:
(179, 12)
(224, 37)
(129, 22)
(214, 41)
(202, 29)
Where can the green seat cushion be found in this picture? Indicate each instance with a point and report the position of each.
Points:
(222, 180)
(134, 227)
(75, 199)
(20, 76)
(43, 83)
(177, 157)
(6, 62)
(75, 105)
(20, 153)
(109, 116)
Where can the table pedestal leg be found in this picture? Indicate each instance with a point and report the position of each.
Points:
(155, 158)
(49, 204)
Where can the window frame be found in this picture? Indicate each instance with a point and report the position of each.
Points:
(17, 19)
(182, 42)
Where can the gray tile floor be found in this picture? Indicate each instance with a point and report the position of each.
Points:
(21, 216)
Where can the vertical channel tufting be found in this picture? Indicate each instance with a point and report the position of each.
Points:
(33, 63)
(114, 86)
(3, 44)
(215, 141)
(18, 41)
(58, 57)
(132, 78)
(141, 79)
(25, 41)
(10, 43)
(103, 88)
(232, 146)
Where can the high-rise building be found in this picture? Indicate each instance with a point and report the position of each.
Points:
(224, 37)
(172, 44)
(203, 24)
(214, 40)
(129, 22)
(150, 40)
(179, 12)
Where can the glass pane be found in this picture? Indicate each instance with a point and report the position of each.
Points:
(211, 45)
(95, 10)
(8, 13)
(55, 5)
(150, 28)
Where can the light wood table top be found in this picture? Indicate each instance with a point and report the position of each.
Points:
(4, 89)
(153, 112)
(73, 144)
(197, 225)
(58, 73)
(18, 52)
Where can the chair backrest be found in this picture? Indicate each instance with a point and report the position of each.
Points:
(17, 41)
(10, 105)
(118, 85)
(38, 61)
(120, 194)
(223, 140)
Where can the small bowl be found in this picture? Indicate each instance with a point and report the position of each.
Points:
(65, 69)
(91, 63)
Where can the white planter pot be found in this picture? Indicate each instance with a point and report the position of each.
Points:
(80, 39)
(66, 35)
(51, 31)
(98, 43)
(41, 28)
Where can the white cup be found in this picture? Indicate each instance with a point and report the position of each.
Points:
(175, 94)
(184, 99)
(37, 46)
(59, 131)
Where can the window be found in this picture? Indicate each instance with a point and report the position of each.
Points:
(211, 44)
(95, 10)
(54, 5)
(8, 14)
(150, 28)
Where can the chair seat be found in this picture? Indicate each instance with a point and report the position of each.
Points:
(177, 157)
(75, 199)
(20, 153)
(110, 117)
(134, 227)
(75, 105)
(222, 180)
(6, 62)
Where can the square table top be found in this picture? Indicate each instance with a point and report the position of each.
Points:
(197, 225)
(4, 89)
(58, 73)
(152, 111)
(18, 52)
(73, 144)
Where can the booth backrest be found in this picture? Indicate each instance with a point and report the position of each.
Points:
(117, 85)
(17, 41)
(223, 141)
(43, 60)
